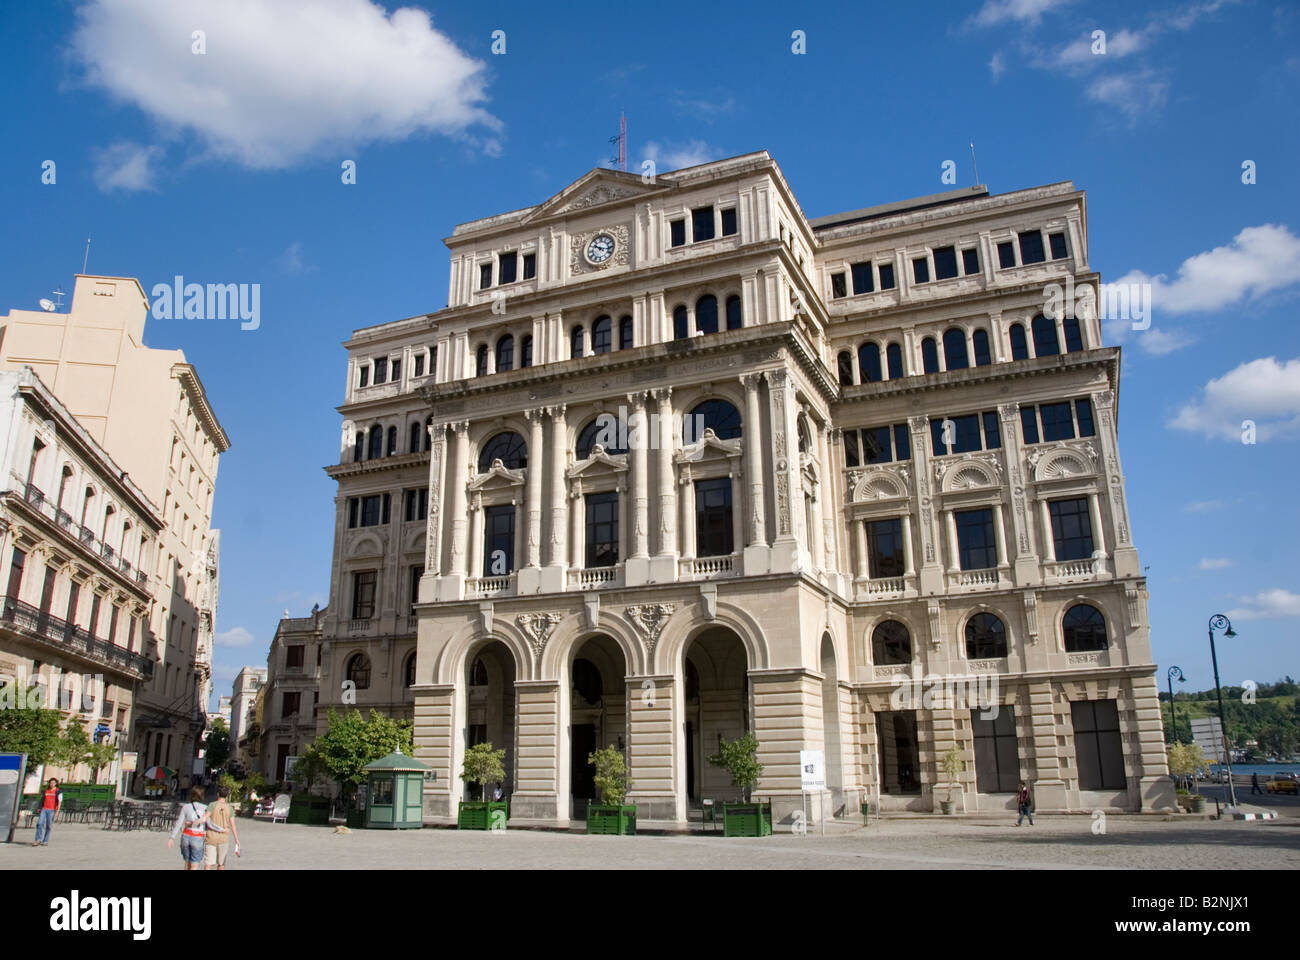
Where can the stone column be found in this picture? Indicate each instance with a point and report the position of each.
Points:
(999, 535)
(638, 562)
(475, 551)
(757, 553)
(860, 539)
(954, 553)
(1045, 524)
(826, 477)
(909, 562)
(663, 567)
(457, 473)
(1110, 468)
(577, 515)
(688, 512)
(529, 579)
(433, 525)
(553, 575)
(1098, 533)
(789, 547)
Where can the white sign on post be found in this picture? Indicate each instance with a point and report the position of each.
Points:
(812, 770)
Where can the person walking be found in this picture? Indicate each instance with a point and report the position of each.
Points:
(51, 801)
(1254, 784)
(221, 818)
(1025, 804)
(192, 826)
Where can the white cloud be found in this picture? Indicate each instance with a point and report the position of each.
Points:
(1132, 94)
(1263, 391)
(234, 637)
(997, 66)
(1215, 563)
(126, 166)
(282, 81)
(1269, 605)
(1024, 11)
(670, 156)
(291, 260)
(1204, 506)
(1079, 53)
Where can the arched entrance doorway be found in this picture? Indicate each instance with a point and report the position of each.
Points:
(597, 713)
(715, 680)
(831, 726)
(490, 707)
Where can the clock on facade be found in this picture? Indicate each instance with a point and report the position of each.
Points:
(601, 248)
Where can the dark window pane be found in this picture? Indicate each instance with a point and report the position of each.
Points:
(605, 430)
(1058, 246)
(886, 276)
(509, 267)
(1029, 424)
(844, 365)
(716, 415)
(576, 343)
(1031, 247)
(838, 288)
(851, 448)
(980, 342)
(1084, 410)
(970, 261)
(363, 594)
(678, 230)
(945, 263)
(1057, 422)
(1083, 629)
(354, 506)
(992, 435)
(526, 351)
(681, 323)
(869, 363)
(1071, 528)
(371, 510)
(713, 533)
(876, 445)
(484, 276)
(894, 354)
(902, 442)
(508, 447)
(1097, 745)
(706, 314)
(498, 541)
(419, 365)
(955, 356)
(702, 224)
(530, 266)
(392, 442)
(397, 370)
(862, 280)
(986, 637)
(1046, 343)
(729, 222)
(602, 529)
(480, 361)
(937, 445)
(921, 270)
(997, 760)
(1073, 335)
(900, 768)
(381, 370)
(891, 644)
(735, 315)
(602, 335)
(929, 355)
(1006, 254)
(1019, 343)
(976, 546)
(885, 548)
(505, 353)
(365, 376)
(625, 333)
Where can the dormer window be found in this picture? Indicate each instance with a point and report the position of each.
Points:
(381, 370)
(678, 230)
(729, 222)
(530, 266)
(484, 275)
(509, 267)
(702, 224)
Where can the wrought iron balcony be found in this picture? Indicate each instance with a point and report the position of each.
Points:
(70, 637)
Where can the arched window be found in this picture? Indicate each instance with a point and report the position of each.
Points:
(735, 316)
(681, 323)
(376, 443)
(602, 335)
(392, 441)
(480, 361)
(891, 644)
(716, 415)
(986, 637)
(706, 314)
(1019, 345)
(604, 430)
(576, 346)
(428, 436)
(955, 356)
(1046, 343)
(526, 351)
(410, 670)
(1073, 335)
(358, 671)
(980, 342)
(869, 363)
(478, 675)
(845, 364)
(1084, 629)
(360, 450)
(505, 353)
(586, 681)
(65, 480)
(894, 356)
(413, 444)
(508, 447)
(625, 333)
(929, 355)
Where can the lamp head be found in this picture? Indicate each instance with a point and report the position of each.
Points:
(1230, 632)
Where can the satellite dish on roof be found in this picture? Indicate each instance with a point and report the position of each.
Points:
(47, 305)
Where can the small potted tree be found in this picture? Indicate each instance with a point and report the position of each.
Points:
(951, 765)
(1184, 760)
(611, 815)
(483, 765)
(748, 818)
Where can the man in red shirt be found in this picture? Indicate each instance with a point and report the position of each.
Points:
(51, 800)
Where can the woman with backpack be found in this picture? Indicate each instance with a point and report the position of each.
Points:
(192, 824)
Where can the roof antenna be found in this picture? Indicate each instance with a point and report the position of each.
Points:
(86, 258)
(974, 163)
(621, 140)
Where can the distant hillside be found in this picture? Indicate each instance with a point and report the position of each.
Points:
(1270, 724)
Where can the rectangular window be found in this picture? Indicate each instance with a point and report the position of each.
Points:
(678, 230)
(530, 266)
(970, 261)
(902, 443)
(93, 626)
(851, 458)
(997, 757)
(992, 436)
(363, 594)
(354, 506)
(484, 276)
(130, 633)
(365, 376)
(291, 703)
(1031, 247)
(921, 270)
(945, 263)
(1029, 424)
(862, 278)
(886, 276)
(381, 370)
(1057, 241)
(899, 752)
(729, 222)
(838, 288)
(1071, 528)
(885, 548)
(416, 505)
(419, 365)
(602, 529)
(1097, 745)
(1006, 254)
(371, 509)
(713, 533)
(498, 541)
(415, 574)
(1057, 422)
(74, 595)
(509, 267)
(876, 446)
(976, 546)
(1084, 410)
(964, 434)
(702, 224)
(293, 656)
(112, 623)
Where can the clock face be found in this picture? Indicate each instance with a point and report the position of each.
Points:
(601, 248)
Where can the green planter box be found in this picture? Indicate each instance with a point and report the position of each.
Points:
(482, 815)
(747, 819)
(314, 811)
(618, 821)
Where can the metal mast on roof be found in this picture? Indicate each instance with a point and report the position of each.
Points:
(974, 164)
(621, 140)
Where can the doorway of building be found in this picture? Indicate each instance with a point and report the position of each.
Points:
(490, 708)
(715, 684)
(597, 713)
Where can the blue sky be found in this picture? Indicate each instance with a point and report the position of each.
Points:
(225, 167)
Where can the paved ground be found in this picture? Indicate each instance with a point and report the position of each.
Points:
(1054, 842)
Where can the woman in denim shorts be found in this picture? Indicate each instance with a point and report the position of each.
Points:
(192, 825)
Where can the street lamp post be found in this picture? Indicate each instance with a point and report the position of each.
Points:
(1219, 622)
(1173, 717)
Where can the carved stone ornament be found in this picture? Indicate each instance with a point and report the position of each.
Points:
(578, 262)
(538, 627)
(650, 618)
(604, 193)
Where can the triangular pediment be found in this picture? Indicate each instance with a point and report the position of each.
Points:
(599, 462)
(497, 476)
(596, 189)
(709, 447)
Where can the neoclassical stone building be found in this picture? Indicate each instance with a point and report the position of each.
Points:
(677, 462)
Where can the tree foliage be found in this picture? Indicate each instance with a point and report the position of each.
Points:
(1185, 759)
(351, 742)
(217, 744)
(483, 765)
(33, 732)
(611, 775)
(739, 758)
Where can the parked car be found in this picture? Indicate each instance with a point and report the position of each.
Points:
(1283, 783)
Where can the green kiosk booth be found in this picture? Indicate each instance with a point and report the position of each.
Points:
(395, 798)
